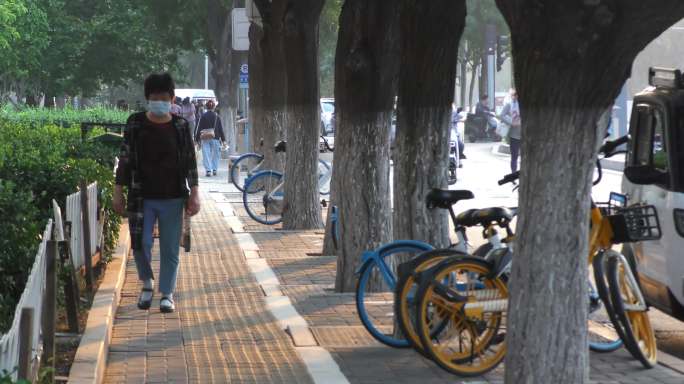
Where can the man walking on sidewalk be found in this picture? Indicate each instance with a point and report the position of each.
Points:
(510, 115)
(157, 164)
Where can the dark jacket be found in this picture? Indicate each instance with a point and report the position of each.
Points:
(127, 172)
(210, 119)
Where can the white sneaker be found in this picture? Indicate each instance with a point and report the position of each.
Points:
(166, 305)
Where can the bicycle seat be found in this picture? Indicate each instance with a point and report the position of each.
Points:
(495, 214)
(444, 198)
(280, 146)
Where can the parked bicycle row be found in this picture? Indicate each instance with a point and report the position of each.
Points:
(263, 189)
(451, 304)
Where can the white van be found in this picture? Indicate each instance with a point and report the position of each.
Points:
(654, 175)
(197, 94)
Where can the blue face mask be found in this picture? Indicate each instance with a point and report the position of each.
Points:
(159, 108)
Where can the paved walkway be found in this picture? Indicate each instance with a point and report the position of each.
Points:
(221, 331)
(224, 329)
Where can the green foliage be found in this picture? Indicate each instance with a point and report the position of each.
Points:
(39, 163)
(62, 117)
(59, 47)
(6, 378)
(327, 43)
(480, 13)
(19, 238)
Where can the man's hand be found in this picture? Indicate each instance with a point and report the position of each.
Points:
(118, 201)
(193, 205)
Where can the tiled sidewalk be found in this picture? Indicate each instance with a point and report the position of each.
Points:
(221, 331)
(308, 280)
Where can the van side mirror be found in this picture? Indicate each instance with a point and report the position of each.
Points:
(645, 174)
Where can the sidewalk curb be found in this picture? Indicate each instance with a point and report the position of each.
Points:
(671, 362)
(91, 357)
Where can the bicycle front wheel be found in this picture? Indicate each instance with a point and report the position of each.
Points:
(604, 329)
(405, 293)
(263, 197)
(466, 293)
(375, 291)
(628, 302)
(249, 163)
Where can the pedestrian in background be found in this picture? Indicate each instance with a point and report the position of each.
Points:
(157, 165)
(175, 107)
(510, 115)
(188, 112)
(210, 135)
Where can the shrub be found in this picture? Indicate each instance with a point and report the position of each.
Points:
(40, 162)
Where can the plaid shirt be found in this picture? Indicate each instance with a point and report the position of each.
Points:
(127, 173)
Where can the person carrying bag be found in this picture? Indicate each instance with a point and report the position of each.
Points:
(210, 135)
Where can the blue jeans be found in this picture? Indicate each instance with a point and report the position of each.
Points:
(169, 212)
(211, 152)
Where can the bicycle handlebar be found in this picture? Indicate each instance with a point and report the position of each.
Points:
(510, 178)
(608, 148)
(327, 145)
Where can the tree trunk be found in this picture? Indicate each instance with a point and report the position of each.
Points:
(588, 50)
(464, 82)
(473, 77)
(366, 68)
(256, 92)
(302, 208)
(430, 33)
(219, 24)
(274, 86)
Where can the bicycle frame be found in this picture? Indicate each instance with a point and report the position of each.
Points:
(601, 236)
(374, 256)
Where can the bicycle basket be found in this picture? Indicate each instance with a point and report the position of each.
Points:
(635, 223)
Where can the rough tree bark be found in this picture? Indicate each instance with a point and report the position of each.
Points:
(570, 61)
(274, 78)
(255, 60)
(430, 33)
(219, 24)
(302, 209)
(366, 68)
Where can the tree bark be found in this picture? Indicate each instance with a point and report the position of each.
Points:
(366, 69)
(430, 33)
(274, 89)
(255, 61)
(570, 62)
(473, 77)
(219, 23)
(302, 208)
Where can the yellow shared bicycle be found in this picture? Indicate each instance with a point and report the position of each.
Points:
(462, 301)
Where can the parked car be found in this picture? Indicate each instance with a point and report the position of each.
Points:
(197, 94)
(327, 111)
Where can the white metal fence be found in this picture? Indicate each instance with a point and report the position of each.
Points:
(32, 297)
(73, 214)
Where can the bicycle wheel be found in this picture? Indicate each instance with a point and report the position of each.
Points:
(475, 304)
(604, 330)
(375, 291)
(324, 174)
(248, 162)
(263, 197)
(405, 293)
(625, 293)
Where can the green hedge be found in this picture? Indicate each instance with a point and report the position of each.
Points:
(62, 117)
(39, 163)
